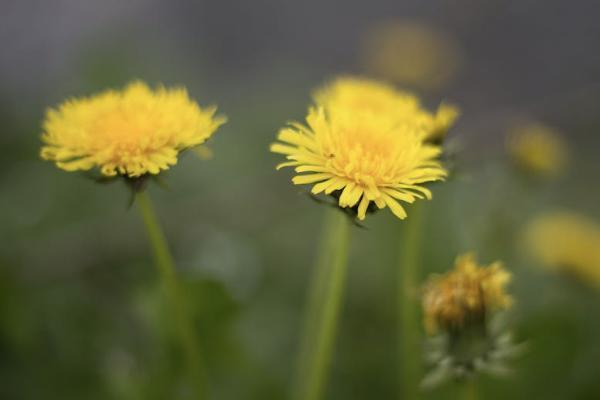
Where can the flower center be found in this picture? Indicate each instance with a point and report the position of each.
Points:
(128, 133)
(368, 155)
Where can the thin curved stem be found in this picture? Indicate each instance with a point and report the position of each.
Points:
(175, 294)
(323, 309)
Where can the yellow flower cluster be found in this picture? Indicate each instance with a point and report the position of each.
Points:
(537, 149)
(368, 143)
(364, 96)
(467, 293)
(567, 242)
(132, 132)
(412, 52)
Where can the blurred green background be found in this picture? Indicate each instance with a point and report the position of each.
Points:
(80, 309)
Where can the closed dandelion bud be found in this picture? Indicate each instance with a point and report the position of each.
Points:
(462, 316)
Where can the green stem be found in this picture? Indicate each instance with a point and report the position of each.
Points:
(174, 292)
(315, 299)
(469, 390)
(323, 309)
(408, 279)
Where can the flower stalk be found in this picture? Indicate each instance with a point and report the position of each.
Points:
(408, 278)
(469, 389)
(323, 309)
(175, 294)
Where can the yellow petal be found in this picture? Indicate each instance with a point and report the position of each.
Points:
(304, 179)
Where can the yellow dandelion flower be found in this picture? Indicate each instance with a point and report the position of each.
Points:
(132, 132)
(411, 52)
(360, 158)
(467, 293)
(566, 242)
(537, 149)
(365, 96)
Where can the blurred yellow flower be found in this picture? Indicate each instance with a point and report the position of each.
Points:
(365, 96)
(566, 242)
(537, 149)
(359, 158)
(413, 53)
(466, 294)
(132, 132)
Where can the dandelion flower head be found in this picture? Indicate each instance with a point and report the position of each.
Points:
(566, 242)
(412, 52)
(537, 149)
(365, 96)
(467, 293)
(360, 158)
(131, 132)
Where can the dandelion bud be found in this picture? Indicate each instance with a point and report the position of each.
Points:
(461, 315)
